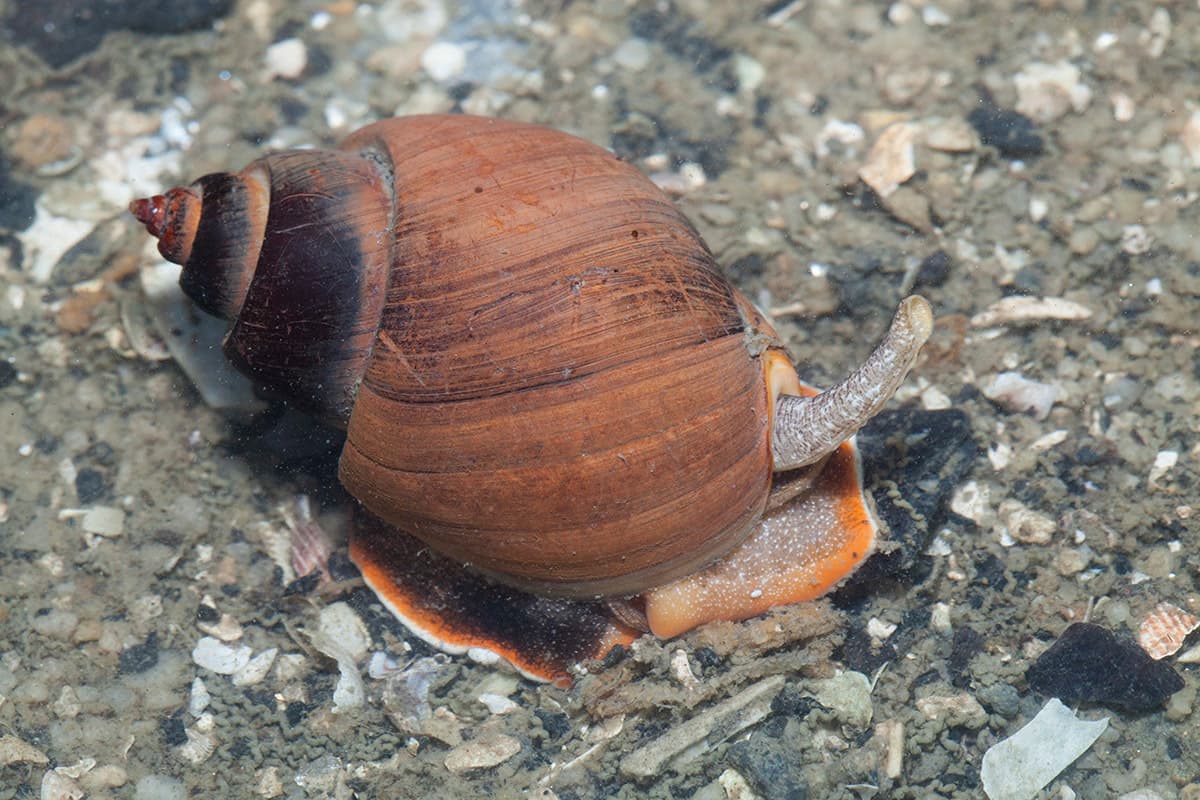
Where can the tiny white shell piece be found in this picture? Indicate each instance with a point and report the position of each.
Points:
(215, 655)
(199, 698)
(256, 669)
(1163, 631)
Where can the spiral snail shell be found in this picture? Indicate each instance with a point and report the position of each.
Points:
(540, 369)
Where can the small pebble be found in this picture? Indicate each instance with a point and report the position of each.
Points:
(444, 61)
(632, 55)
(488, 749)
(55, 624)
(42, 139)
(848, 697)
(159, 787)
(1026, 525)
(105, 776)
(104, 521)
(286, 59)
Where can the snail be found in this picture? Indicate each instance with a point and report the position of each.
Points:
(549, 390)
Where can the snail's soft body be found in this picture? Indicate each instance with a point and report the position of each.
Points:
(541, 370)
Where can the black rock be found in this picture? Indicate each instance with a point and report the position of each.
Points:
(172, 730)
(61, 32)
(1010, 132)
(90, 485)
(18, 201)
(1091, 664)
(8, 373)
(556, 723)
(771, 766)
(967, 643)
(926, 454)
(935, 269)
(140, 657)
(860, 653)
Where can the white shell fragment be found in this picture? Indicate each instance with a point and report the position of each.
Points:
(1024, 395)
(497, 703)
(488, 749)
(341, 624)
(1018, 767)
(1046, 92)
(199, 698)
(216, 656)
(1164, 462)
(18, 751)
(1164, 630)
(342, 636)
(891, 160)
(1029, 309)
(99, 520)
(256, 669)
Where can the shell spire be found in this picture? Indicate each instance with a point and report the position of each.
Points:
(213, 228)
(172, 218)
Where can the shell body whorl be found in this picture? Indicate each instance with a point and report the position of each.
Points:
(541, 370)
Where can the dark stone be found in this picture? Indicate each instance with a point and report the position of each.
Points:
(60, 32)
(1001, 698)
(341, 568)
(927, 454)
(17, 200)
(793, 702)
(680, 35)
(90, 486)
(1010, 132)
(172, 730)
(1090, 664)
(206, 613)
(8, 374)
(771, 767)
(303, 585)
(707, 658)
(296, 712)
(101, 453)
(966, 644)
(556, 723)
(860, 654)
(1174, 748)
(613, 657)
(934, 269)
(140, 657)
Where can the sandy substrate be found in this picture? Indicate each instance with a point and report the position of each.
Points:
(835, 156)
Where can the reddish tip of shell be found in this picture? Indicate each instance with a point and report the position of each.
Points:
(150, 211)
(172, 218)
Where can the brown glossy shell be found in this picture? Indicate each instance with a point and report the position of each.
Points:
(560, 391)
(558, 386)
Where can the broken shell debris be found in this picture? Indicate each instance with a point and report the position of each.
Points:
(1018, 767)
(1021, 309)
(1164, 630)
